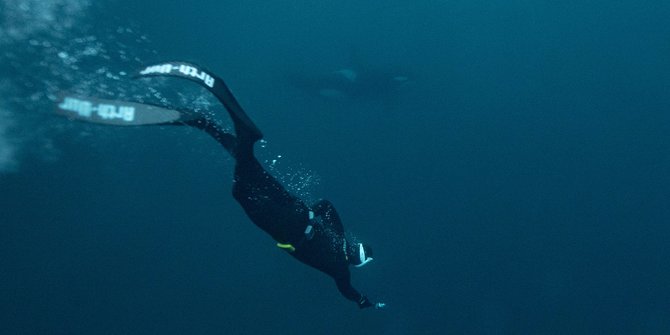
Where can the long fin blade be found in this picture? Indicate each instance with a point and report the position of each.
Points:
(117, 113)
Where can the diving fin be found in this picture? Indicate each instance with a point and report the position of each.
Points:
(213, 84)
(118, 113)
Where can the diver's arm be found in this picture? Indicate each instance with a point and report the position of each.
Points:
(328, 214)
(349, 292)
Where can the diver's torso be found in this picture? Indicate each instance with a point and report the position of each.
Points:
(325, 251)
(268, 204)
(285, 217)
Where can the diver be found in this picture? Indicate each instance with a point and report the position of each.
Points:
(313, 234)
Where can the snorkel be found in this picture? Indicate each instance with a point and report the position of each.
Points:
(362, 256)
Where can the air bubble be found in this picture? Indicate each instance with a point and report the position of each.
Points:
(90, 51)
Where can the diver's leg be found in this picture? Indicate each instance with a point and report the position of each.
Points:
(226, 139)
(246, 133)
(240, 145)
(245, 129)
(249, 176)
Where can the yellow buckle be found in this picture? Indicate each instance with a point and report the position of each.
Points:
(288, 247)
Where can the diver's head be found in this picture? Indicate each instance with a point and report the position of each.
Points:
(360, 255)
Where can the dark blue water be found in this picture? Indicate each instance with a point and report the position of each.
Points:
(519, 185)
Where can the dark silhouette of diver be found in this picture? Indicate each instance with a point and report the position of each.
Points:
(312, 234)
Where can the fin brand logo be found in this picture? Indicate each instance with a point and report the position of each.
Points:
(183, 70)
(85, 109)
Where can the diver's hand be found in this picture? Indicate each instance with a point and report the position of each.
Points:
(364, 303)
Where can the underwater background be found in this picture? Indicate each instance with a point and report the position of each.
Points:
(518, 183)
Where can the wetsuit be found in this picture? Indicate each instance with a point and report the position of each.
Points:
(284, 216)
